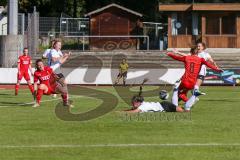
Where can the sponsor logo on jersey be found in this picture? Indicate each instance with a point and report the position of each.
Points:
(44, 78)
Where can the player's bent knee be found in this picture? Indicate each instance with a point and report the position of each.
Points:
(42, 87)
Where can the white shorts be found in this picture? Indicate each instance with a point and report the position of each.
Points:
(56, 68)
(203, 71)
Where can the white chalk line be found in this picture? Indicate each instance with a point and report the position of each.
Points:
(123, 145)
(43, 101)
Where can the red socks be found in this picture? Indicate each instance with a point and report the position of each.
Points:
(183, 97)
(31, 88)
(39, 95)
(16, 89)
(65, 97)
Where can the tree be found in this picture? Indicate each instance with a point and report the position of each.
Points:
(3, 2)
(77, 8)
(74, 8)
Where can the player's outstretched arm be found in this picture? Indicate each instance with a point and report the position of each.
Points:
(178, 58)
(133, 110)
(178, 52)
(212, 61)
(211, 66)
(64, 58)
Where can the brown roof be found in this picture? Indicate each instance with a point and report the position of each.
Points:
(200, 7)
(113, 5)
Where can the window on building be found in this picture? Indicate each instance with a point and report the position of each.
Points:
(221, 24)
(212, 25)
(229, 24)
(184, 25)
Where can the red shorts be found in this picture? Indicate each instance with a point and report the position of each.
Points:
(50, 91)
(183, 89)
(24, 74)
(186, 85)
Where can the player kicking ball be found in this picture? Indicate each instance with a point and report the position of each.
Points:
(193, 65)
(24, 64)
(50, 83)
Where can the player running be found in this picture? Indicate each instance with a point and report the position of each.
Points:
(193, 65)
(24, 64)
(50, 83)
(123, 69)
(58, 58)
(202, 74)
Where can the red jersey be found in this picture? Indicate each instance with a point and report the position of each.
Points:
(193, 65)
(24, 62)
(44, 76)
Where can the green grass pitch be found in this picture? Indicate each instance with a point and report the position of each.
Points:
(212, 133)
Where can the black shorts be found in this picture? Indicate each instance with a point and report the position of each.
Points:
(124, 74)
(201, 77)
(168, 106)
(61, 79)
(60, 75)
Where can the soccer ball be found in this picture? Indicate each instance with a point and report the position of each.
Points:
(163, 95)
(237, 81)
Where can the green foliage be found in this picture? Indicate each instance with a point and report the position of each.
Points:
(74, 8)
(77, 8)
(3, 2)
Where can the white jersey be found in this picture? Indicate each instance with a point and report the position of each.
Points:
(151, 107)
(46, 54)
(55, 65)
(206, 56)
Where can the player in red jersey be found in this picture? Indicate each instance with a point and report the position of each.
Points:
(193, 65)
(49, 84)
(24, 64)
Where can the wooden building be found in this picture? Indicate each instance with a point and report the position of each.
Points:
(114, 23)
(218, 25)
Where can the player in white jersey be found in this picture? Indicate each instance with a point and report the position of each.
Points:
(46, 54)
(57, 58)
(205, 55)
(139, 105)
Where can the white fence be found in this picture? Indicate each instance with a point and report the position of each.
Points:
(105, 76)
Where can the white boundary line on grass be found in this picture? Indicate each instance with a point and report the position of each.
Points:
(49, 100)
(123, 145)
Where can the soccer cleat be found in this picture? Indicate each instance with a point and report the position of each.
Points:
(68, 105)
(36, 105)
(196, 93)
